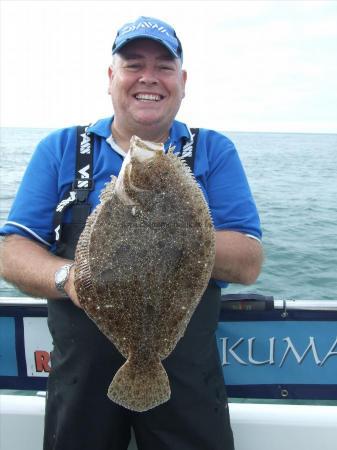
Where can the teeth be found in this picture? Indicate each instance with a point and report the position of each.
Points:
(148, 97)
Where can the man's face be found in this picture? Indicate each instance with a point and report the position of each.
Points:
(146, 85)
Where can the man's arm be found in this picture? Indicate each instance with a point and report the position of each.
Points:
(238, 258)
(31, 267)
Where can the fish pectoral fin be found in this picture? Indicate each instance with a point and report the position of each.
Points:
(140, 389)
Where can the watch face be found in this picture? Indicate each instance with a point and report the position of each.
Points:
(60, 275)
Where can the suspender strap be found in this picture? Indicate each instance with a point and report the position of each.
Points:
(83, 182)
(189, 149)
(77, 196)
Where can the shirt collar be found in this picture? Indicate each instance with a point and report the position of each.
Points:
(179, 131)
(110, 140)
(102, 127)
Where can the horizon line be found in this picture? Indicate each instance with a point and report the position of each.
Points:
(220, 131)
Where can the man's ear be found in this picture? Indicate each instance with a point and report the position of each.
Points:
(110, 75)
(184, 79)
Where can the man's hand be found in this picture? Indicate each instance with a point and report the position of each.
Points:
(69, 288)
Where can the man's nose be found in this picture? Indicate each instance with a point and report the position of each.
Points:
(148, 76)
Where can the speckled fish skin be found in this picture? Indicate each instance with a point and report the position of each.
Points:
(143, 262)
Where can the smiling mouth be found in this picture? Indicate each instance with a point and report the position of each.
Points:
(148, 97)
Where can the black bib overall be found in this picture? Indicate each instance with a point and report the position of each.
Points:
(80, 416)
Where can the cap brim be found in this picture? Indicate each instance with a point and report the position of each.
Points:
(118, 47)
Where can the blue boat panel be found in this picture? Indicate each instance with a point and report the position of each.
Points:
(264, 353)
(8, 360)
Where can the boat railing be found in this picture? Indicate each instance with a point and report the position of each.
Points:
(243, 302)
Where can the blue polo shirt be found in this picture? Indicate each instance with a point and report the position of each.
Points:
(217, 168)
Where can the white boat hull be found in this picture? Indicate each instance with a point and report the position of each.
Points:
(255, 426)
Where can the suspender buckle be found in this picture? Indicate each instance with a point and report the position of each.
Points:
(82, 195)
(82, 187)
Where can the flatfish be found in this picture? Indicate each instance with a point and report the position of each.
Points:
(143, 261)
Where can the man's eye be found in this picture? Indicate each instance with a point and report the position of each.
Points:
(133, 66)
(164, 67)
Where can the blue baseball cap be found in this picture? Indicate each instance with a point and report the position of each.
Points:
(149, 28)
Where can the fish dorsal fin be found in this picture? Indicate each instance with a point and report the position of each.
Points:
(184, 166)
(83, 279)
(171, 149)
(180, 162)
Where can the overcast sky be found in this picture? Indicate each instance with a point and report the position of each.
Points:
(252, 65)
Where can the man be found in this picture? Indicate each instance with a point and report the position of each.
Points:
(147, 85)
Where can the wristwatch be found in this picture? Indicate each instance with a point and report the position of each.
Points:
(61, 277)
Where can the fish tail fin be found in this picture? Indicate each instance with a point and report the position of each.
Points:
(140, 389)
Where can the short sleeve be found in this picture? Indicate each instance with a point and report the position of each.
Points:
(225, 184)
(32, 211)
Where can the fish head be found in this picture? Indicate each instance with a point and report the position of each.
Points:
(138, 171)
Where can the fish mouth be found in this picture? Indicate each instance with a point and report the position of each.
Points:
(148, 97)
(143, 150)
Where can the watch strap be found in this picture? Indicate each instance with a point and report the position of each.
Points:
(59, 284)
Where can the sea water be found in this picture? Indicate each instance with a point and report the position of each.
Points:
(293, 177)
